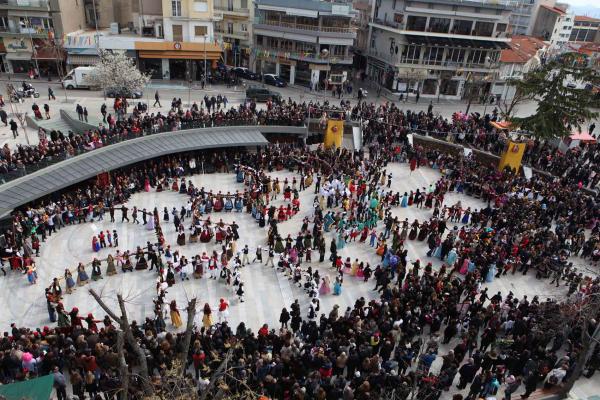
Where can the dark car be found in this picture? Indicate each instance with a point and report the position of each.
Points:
(260, 94)
(242, 72)
(274, 80)
(123, 92)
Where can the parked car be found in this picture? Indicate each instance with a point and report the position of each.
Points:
(271, 79)
(260, 94)
(245, 73)
(123, 92)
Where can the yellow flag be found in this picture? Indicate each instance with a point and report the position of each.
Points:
(334, 133)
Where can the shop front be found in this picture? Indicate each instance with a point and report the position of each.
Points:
(19, 53)
(178, 60)
(49, 57)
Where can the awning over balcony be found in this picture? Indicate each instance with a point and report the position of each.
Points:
(454, 42)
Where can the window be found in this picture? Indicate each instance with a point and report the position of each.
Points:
(244, 4)
(178, 33)
(414, 23)
(410, 54)
(339, 51)
(230, 27)
(244, 27)
(272, 42)
(433, 55)
(477, 57)
(462, 27)
(439, 25)
(484, 28)
(449, 88)
(455, 57)
(286, 44)
(176, 8)
(259, 40)
(200, 30)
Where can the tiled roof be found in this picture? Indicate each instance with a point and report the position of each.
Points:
(553, 9)
(522, 48)
(585, 18)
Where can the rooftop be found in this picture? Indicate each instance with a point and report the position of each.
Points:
(522, 49)
(313, 5)
(554, 9)
(585, 18)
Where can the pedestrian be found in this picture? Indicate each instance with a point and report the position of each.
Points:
(60, 384)
(591, 128)
(3, 117)
(103, 112)
(51, 94)
(417, 96)
(430, 108)
(156, 99)
(13, 128)
(245, 259)
(47, 110)
(79, 111)
(512, 384)
(85, 114)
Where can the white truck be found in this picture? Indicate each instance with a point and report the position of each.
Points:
(77, 78)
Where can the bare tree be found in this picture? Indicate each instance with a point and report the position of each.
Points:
(191, 315)
(509, 107)
(583, 312)
(123, 322)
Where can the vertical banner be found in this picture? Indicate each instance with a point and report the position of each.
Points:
(512, 156)
(334, 133)
(103, 179)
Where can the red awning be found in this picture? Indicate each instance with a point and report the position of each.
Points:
(48, 53)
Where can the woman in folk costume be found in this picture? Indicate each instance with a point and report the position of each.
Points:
(223, 310)
(175, 316)
(69, 280)
(63, 318)
(337, 287)
(325, 286)
(150, 225)
(181, 235)
(207, 318)
(91, 323)
(110, 268)
(96, 271)
(147, 184)
(404, 202)
(82, 276)
(95, 244)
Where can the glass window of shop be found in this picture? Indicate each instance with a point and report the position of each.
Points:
(429, 86)
(449, 88)
(152, 66)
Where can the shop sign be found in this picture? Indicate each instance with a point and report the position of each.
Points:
(177, 46)
(17, 45)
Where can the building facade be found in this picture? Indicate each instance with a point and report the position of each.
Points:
(233, 30)
(585, 30)
(305, 42)
(439, 48)
(525, 53)
(31, 32)
(554, 24)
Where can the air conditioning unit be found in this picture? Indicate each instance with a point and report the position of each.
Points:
(114, 28)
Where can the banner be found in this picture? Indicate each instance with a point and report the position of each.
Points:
(512, 156)
(334, 133)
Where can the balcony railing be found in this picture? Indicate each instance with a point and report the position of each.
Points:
(25, 3)
(399, 59)
(227, 9)
(454, 31)
(237, 34)
(311, 57)
(306, 27)
(34, 31)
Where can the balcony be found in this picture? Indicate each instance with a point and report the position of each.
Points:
(25, 5)
(241, 35)
(311, 58)
(268, 23)
(232, 11)
(399, 60)
(34, 32)
(455, 32)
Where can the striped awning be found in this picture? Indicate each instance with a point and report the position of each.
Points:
(78, 59)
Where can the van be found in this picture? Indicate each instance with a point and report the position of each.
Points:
(78, 78)
(260, 94)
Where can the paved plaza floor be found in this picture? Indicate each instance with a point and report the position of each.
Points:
(267, 290)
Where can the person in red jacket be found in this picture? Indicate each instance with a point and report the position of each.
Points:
(264, 331)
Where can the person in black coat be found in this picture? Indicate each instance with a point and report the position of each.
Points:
(284, 318)
(475, 388)
(467, 373)
(530, 384)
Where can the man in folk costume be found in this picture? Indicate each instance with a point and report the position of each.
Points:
(223, 310)
(212, 267)
(205, 259)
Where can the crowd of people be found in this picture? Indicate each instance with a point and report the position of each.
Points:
(486, 341)
(390, 343)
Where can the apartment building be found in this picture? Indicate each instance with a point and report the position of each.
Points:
(233, 30)
(554, 24)
(28, 29)
(306, 42)
(440, 48)
(585, 30)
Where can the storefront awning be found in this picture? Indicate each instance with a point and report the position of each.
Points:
(47, 53)
(178, 50)
(76, 59)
